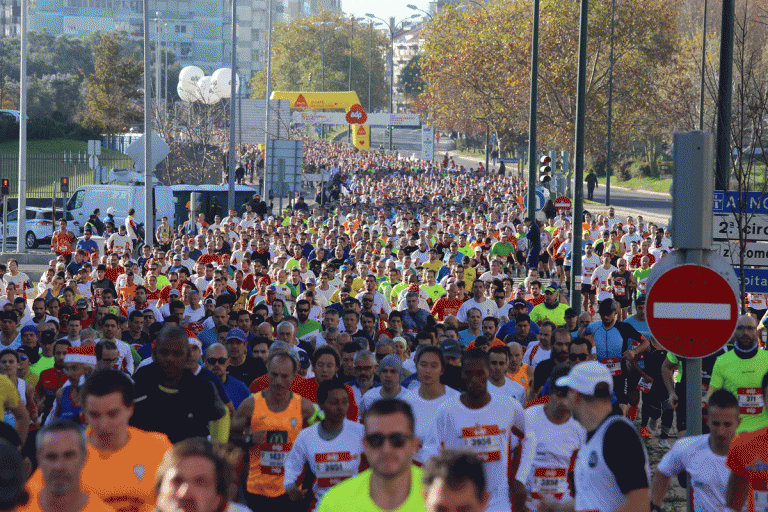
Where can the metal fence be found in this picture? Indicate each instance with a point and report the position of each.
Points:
(43, 170)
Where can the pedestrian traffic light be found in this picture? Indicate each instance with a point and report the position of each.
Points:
(5, 188)
(545, 169)
(64, 185)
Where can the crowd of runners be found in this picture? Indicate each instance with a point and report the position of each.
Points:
(405, 344)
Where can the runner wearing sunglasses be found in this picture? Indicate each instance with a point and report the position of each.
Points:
(392, 482)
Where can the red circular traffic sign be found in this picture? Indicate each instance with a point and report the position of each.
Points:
(692, 311)
(563, 203)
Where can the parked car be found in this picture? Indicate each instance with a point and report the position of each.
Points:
(40, 225)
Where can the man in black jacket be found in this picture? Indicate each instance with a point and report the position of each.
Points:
(170, 399)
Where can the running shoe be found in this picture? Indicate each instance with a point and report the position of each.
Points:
(663, 443)
(645, 433)
(632, 412)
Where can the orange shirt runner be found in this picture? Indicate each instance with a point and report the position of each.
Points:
(748, 456)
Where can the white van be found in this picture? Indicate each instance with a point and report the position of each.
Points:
(122, 198)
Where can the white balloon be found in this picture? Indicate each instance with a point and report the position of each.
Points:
(204, 91)
(185, 94)
(189, 76)
(222, 82)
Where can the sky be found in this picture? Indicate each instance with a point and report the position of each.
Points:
(383, 8)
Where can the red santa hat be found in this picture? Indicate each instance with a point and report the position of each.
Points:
(85, 355)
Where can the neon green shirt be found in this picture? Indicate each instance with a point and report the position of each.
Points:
(435, 291)
(355, 494)
(502, 249)
(467, 251)
(556, 315)
(743, 378)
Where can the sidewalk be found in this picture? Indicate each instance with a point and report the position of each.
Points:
(592, 206)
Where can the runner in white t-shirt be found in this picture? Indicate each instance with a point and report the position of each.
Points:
(703, 457)
(601, 276)
(426, 399)
(489, 425)
(552, 440)
(390, 373)
(331, 448)
(541, 350)
(498, 382)
(589, 263)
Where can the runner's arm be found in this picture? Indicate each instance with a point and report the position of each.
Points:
(737, 490)
(22, 420)
(242, 420)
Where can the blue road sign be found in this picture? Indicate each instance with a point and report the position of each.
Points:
(539, 200)
(728, 202)
(755, 279)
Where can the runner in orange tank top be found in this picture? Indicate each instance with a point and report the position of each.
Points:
(270, 421)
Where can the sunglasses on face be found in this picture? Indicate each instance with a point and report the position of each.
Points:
(216, 360)
(580, 357)
(397, 439)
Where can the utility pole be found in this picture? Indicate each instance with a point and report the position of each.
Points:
(233, 150)
(578, 190)
(532, 156)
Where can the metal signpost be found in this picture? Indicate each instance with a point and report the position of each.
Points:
(677, 283)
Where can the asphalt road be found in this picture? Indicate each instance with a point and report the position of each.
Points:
(653, 206)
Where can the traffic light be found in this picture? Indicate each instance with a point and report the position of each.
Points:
(5, 188)
(64, 185)
(545, 170)
(310, 78)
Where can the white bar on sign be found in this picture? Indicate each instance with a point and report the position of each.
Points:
(691, 311)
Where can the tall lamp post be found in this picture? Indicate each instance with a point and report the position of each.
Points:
(321, 24)
(349, 76)
(393, 27)
(532, 158)
(608, 170)
(370, 61)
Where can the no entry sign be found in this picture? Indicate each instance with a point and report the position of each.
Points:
(562, 203)
(692, 311)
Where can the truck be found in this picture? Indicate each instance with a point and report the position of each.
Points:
(122, 198)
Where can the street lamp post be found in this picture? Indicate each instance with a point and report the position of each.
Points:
(321, 24)
(349, 76)
(158, 70)
(532, 157)
(608, 171)
(392, 33)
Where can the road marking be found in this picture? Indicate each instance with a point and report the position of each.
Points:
(691, 311)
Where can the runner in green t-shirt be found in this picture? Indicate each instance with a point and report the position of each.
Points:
(741, 372)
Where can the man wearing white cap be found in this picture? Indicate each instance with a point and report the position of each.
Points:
(611, 469)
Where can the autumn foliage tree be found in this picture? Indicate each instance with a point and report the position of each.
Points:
(297, 58)
(477, 67)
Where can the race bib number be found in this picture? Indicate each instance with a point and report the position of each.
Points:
(332, 468)
(483, 440)
(614, 365)
(273, 452)
(645, 384)
(549, 482)
(750, 400)
(273, 458)
(619, 290)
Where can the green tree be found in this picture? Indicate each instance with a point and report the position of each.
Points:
(112, 93)
(297, 55)
(411, 79)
